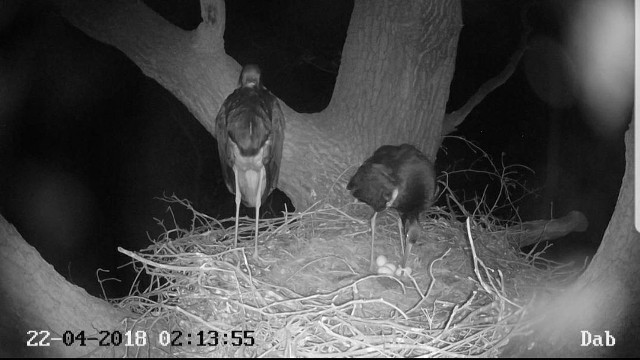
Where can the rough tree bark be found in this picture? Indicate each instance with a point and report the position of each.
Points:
(402, 86)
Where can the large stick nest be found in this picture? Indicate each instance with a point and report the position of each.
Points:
(313, 294)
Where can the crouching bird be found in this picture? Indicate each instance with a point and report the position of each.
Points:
(250, 133)
(399, 177)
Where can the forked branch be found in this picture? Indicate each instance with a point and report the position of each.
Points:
(455, 118)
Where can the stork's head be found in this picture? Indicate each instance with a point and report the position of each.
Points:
(373, 184)
(250, 76)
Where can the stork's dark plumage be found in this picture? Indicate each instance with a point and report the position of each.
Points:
(400, 177)
(250, 134)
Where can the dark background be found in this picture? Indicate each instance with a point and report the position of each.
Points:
(87, 141)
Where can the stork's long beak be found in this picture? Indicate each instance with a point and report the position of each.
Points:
(394, 196)
(258, 203)
(413, 232)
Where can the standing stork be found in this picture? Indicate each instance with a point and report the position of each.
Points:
(399, 177)
(250, 133)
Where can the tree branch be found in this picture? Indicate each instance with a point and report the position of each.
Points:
(455, 118)
(35, 297)
(190, 64)
(543, 230)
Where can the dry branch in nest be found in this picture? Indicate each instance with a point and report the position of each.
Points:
(314, 296)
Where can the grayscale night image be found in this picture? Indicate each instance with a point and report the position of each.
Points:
(341, 178)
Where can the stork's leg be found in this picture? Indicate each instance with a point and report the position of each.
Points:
(258, 200)
(373, 236)
(407, 251)
(405, 241)
(402, 237)
(238, 198)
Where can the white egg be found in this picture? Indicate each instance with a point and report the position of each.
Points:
(381, 260)
(399, 271)
(391, 267)
(383, 270)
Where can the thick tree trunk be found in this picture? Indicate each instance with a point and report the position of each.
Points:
(605, 297)
(392, 87)
(400, 56)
